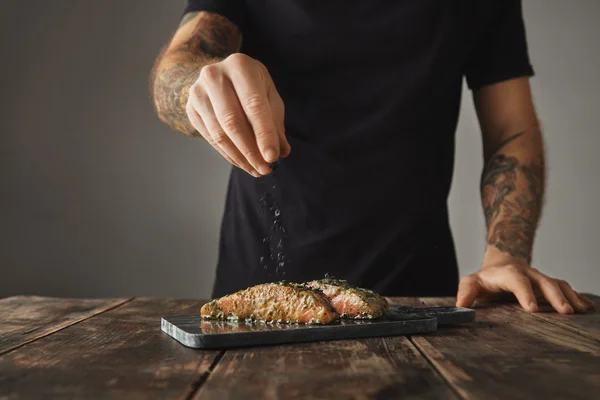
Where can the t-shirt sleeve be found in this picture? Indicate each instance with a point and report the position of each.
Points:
(233, 10)
(501, 51)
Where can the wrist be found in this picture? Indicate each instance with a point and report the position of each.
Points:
(495, 257)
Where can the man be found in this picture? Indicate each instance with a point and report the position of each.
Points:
(372, 91)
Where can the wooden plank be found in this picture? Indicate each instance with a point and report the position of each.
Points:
(121, 353)
(27, 318)
(366, 368)
(358, 369)
(587, 324)
(508, 353)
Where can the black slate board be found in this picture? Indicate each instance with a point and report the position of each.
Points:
(443, 315)
(192, 331)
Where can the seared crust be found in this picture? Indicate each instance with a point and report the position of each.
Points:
(351, 301)
(281, 302)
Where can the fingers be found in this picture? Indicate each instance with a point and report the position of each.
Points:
(232, 120)
(468, 290)
(551, 291)
(590, 303)
(521, 280)
(252, 94)
(217, 137)
(520, 286)
(236, 107)
(576, 302)
(201, 128)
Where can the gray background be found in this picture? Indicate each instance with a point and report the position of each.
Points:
(98, 198)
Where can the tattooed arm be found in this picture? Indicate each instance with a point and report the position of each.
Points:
(203, 87)
(202, 39)
(512, 188)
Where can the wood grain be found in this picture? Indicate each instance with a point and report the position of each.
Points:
(27, 318)
(121, 353)
(377, 368)
(508, 353)
(585, 324)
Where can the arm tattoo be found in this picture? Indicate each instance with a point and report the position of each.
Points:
(214, 35)
(171, 91)
(508, 140)
(511, 194)
(214, 38)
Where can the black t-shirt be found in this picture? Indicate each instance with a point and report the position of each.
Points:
(372, 92)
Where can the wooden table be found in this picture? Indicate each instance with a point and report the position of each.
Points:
(113, 348)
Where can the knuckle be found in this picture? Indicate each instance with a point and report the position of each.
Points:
(219, 138)
(254, 104)
(209, 73)
(237, 60)
(196, 90)
(563, 283)
(262, 134)
(249, 153)
(230, 122)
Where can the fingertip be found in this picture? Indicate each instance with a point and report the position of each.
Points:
(531, 306)
(579, 305)
(592, 304)
(465, 298)
(285, 151)
(264, 170)
(463, 303)
(270, 155)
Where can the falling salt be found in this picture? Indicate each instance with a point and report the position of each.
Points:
(275, 240)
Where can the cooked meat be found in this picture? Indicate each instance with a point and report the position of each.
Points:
(350, 301)
(273, 302)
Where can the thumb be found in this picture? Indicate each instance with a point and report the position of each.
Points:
(468, 290)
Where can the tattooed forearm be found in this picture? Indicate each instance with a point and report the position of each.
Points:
(171, 86)
(214, 37)
(511, 194)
